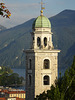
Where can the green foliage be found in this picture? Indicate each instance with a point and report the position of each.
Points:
(7, 78)
(41, 96)
(56, 94)
(5, 70)
(64, 88)
(15, 79)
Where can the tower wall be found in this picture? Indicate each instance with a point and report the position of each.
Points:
(30, 87)
(38, 72)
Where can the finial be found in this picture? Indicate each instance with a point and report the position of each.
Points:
(42, 7)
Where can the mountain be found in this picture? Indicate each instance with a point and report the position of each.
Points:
(12, 43)
(2, 28)
(63, 27)
(14, 40)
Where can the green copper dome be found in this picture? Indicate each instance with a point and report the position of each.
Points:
(41, 22)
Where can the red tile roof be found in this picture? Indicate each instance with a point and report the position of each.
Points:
(4, 99)
(15, 92)
(12, 92)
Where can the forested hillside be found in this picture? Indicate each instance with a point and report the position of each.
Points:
(63, 27)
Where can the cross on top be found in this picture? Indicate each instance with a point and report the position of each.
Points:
(42, 5)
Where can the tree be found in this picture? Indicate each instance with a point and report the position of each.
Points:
(4, 11)
(13, 79)
(70, 91)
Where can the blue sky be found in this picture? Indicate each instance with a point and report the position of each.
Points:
(23, 10)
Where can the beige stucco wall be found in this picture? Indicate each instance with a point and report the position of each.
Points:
(40, 72)
(37, 72)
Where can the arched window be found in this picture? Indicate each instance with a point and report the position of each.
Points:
(46, 80)
(38, 42)
(30, 79)
(46, 64)
(45, 41)
(30, 63)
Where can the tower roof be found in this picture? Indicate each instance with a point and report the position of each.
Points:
(41, 22)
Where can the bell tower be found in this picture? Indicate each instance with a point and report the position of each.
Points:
(41, 59)
(42, 35)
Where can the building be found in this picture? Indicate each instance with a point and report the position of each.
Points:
(15, 98)
(41, 59)
(19, 94)
(12, 94)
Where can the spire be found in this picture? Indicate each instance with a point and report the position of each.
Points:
(42, 7)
